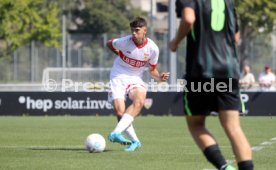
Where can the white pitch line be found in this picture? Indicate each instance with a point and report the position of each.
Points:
(263, 145)
(230, 161)
(273, 138)
(267, 143)
(257, 148)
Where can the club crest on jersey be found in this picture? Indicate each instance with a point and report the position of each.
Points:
(148, 103)
(146, 56)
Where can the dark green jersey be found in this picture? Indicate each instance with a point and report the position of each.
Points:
(211, 50)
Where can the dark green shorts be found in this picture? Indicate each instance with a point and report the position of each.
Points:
(202, 96)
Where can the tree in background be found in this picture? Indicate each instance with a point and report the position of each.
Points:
(94, 19)
(26, 20)
(102, 16)
(257, 19)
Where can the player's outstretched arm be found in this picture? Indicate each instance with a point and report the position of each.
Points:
(187, 21)
(110, 46)
(164, 76)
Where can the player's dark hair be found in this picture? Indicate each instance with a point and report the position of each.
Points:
(138, 22)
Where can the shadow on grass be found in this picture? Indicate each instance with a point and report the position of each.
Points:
(61, 149)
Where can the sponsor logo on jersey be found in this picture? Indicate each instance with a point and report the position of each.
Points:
(131, 61)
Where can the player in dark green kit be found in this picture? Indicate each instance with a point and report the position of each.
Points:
(212, 74)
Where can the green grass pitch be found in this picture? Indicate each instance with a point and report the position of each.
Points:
(38, 143)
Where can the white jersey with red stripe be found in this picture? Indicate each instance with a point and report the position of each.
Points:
(133, 58)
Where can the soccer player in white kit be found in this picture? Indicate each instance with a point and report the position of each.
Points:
(134, 52)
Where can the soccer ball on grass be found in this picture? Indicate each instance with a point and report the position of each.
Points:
(95, 143)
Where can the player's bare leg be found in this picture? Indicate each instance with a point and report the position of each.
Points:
(201, 135)
(119, 108)
(137, 95)
(206, 141)
(230, 120)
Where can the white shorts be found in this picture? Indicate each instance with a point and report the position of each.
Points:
(120, 87)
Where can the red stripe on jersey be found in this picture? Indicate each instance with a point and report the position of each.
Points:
(131, 61)
(140, 45)
(153, 66)
(111, 45)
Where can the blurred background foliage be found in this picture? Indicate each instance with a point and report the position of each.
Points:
(89, 23)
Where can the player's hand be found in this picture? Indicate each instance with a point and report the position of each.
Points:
(173, 45)
(164, 76)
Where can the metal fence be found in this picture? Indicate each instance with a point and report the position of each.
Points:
(26, 64)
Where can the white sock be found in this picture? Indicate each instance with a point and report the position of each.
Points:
(130, 133)
(125, 121)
